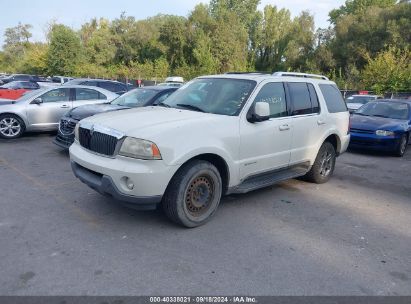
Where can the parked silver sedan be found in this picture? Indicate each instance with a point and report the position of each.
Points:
(41, 110)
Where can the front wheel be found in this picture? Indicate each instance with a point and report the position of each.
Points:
(402, 146)
(193, 194)
(323, 166)
(11, 126)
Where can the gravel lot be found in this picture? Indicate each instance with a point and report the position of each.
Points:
(351, 236)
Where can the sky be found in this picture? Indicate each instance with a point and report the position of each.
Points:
(76, 12)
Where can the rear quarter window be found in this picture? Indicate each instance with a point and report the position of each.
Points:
(333, 98)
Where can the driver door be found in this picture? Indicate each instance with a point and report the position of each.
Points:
(266, 146)
(46, 115)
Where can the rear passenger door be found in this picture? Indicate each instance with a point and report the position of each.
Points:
(265, 146)
(84, 96)
(307, 120)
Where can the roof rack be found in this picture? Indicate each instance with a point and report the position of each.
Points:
(304, 75)
(249, 73)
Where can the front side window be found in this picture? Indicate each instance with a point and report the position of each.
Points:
(224, 96)
(273, 93)
(300, 98)
(56, 95)
(135, 98)
(333, 98)
(87, 94)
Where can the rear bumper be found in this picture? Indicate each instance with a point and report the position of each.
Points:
(103, 184)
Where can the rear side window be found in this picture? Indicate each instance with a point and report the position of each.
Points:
(314, 98)
(300, 98)
(273, 93)
(333, 99)
(88, 94)
(113, 87)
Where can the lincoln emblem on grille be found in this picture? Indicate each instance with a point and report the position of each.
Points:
(92, 130)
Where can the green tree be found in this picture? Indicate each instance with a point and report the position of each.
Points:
(64, 51)
(389, 71)
(355, 7)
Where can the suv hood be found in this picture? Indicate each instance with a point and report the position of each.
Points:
(373, 123)
(82, 112)
(146, 122)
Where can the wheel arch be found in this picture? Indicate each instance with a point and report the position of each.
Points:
(218, 161)
(17, 115)
(335, 140)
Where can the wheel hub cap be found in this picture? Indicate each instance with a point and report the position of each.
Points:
(199, 195)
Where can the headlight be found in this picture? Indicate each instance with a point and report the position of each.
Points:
(76, 132)
(384, 133)
(139, 148)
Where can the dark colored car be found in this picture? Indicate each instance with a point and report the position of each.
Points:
(110, 85)
(384, 125)
(15, 89)
(140, 97)
(16, 77)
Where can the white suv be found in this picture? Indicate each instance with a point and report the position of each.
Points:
(216, 135)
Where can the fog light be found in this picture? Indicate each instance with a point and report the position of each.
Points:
(129, 183)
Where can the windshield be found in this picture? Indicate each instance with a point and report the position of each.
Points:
(212, 95)
(135, 98)
(394, 110)
(360, 99)
(31, 94)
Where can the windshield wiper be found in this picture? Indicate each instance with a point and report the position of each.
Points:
(191, 107)
(378, 115)
(356, 113)
(162, 104)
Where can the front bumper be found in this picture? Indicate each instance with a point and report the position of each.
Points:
(374, 142)
(103, 184)
(108, 176)
(64, 141)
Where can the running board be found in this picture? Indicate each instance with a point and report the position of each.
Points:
(270, 178)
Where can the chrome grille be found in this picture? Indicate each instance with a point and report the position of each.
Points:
(67, 126)
(97, 142)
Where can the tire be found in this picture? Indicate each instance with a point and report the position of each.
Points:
(11, 126)
(402, 146)
(193, 194)
(324, 164)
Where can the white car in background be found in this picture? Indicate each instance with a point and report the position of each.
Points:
(355, 102)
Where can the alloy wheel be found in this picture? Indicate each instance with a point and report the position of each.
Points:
(10, 127)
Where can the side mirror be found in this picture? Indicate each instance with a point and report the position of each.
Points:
(261, 112)
(37, 101)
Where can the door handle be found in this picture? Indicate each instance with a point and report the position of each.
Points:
(320, 122)
(64, 106)
(284, 127)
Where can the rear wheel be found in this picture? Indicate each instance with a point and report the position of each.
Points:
(323, 166)
(193, 194)
(11, 126)
(402, 146)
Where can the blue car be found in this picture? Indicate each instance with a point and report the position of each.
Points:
(383, 125)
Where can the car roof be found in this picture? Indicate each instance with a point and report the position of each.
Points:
(408, 101)
(95, 79)
(363, 95)
(158, 88)
(75, 86)
(259, 77)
